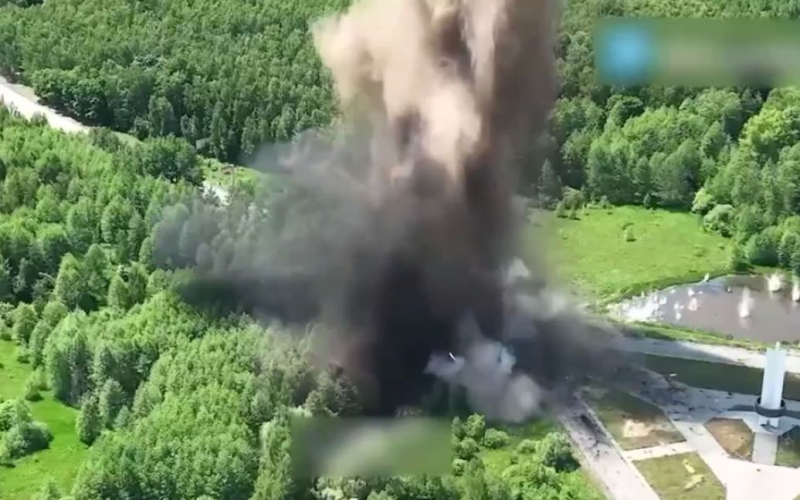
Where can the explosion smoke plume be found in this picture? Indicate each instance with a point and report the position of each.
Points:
(442, 95)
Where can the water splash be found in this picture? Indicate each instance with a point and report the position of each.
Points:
(694, 304)
(775, 282)
(795, 290)
(746, 304)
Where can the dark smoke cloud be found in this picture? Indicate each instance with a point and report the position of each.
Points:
(411, 221)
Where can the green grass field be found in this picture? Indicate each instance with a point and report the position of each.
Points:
(719, 376)
(669, 332)
(733, 435)
(593, 254)
(66, 453)
(788, 454)
(498, 460)
(633, 422)
(681, 477)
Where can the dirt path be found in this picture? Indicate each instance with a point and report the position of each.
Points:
(25, 102)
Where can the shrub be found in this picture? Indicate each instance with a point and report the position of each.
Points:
(459, 465)
(48, 491)
(494, 439)
(13, 412)
(561, 210)
(475, 426)
(467, 449)
(629, 236)
(23, 355)
(457, 428)
(26, 438)
(703, 202)
(736, 258)
(573, 214)
(32, 388)
(526, 447)
(5, 331)
(720, 220)
(5, 456)
(762, 249)
(555, 451)
(24, 322)
(572, 198)
(88, 424)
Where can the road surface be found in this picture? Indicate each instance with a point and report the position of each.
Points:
(704, 352)
(25, 102)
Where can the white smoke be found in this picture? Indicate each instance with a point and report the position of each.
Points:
(486, 371)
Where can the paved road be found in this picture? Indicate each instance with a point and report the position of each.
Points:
(703, 352)
(689, 409)
(25, 102)
(622, 480)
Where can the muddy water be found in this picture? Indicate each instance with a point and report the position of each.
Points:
(740, 306)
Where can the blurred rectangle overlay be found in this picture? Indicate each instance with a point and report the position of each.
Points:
(348, 447)
(697, 52)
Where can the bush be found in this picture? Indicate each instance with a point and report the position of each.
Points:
(572, 198)
(720, 220)
(467, 449)
(26, 438)
(13, 412)
(457, 429)
(23, 355)
(88, 424)
(555, 451)
(48, 491)
(736, 259)
(703, 202)
(526, 447)
(762, 249)
(494, 439)
(459, 465)
(629, 236)
(5, 332)
(475, 426)
(32, 388)
(573, 214)
(561, 210)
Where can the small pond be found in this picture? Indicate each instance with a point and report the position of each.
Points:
(762, 308)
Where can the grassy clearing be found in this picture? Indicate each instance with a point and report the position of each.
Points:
(681, 477)
(733, 435)
(667, 332)
(224, 175)
(788, 454)
(719, 376)
(633, 422)
(594, 255)
(66, 453)
(498, 460)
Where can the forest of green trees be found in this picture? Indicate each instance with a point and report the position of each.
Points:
(173, 401)
(230, 76)
(177, 403)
